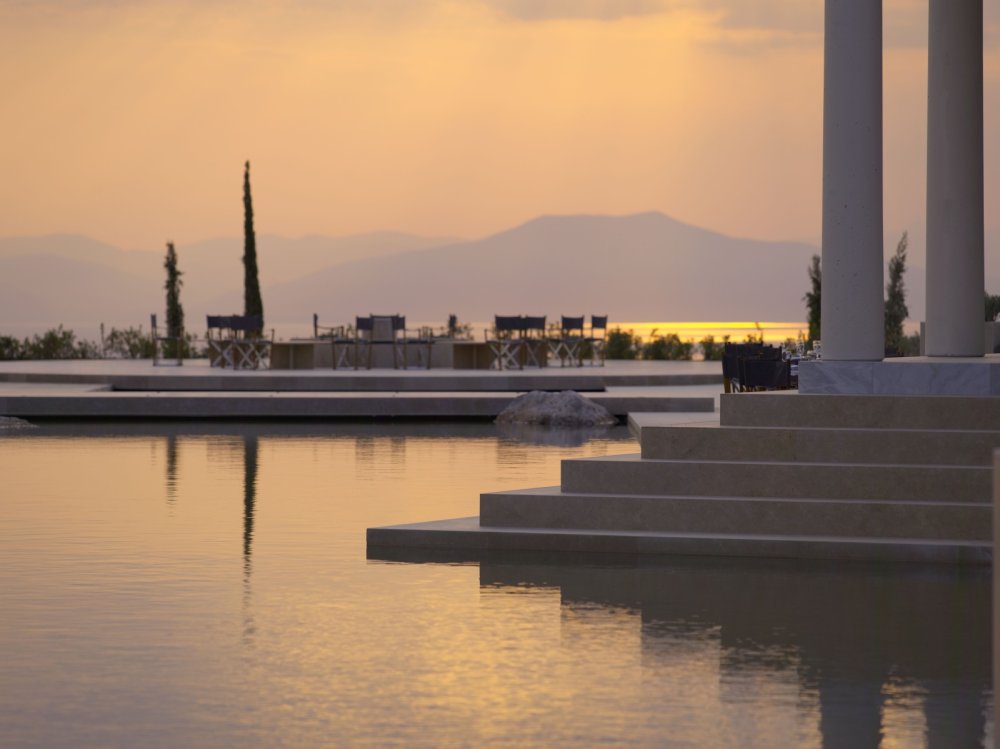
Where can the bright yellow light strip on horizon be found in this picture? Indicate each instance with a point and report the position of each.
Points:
(736, 330)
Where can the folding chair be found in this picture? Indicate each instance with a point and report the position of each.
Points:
(219, 338)
(250, 350)
(598, 339)
(505, 345)
(421, 341)
(378, 330)
(567, 346)
(534, 347)
(176, 342)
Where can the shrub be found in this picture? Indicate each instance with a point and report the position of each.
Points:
(710, 350)
(129, 343)
(58, 343)
(621, 344)
(10, 348)
(668, 347)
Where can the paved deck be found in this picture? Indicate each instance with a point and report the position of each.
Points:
(140, 374)
(135, 389)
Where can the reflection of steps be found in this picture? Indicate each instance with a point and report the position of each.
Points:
(778, 475)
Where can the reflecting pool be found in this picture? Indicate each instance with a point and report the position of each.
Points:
(207, 585)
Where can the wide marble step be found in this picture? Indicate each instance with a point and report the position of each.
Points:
(464, 539)
(629, 474)
(550, 507)
(710, 441)
(791, 409)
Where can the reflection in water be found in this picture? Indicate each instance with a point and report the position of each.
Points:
(249, 496)
(171, 461)
(249, 502)
(126, 622)
(530, 434)
(851, 634)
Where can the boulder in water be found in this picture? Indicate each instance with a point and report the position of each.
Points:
(12, 422)
(565, 409)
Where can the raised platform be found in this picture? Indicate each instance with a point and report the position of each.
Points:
(138, 390)
(196, 375)
(911, 375)
(888, 478)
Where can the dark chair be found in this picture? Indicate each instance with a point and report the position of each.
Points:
(597, 341)
(420, 341)
(236, 341)
(765, 374)
(505, 342)
(174, 345)
(361, 340)
(534, 346)
(567, 346)
(379, 329)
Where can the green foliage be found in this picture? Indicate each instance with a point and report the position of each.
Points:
(712, 351)
(910, 345)
(813, 298)
(130, 343)
(621, 344)
(252, 303)
(757, 336)
(667, 347)
(10, 348)
(175, 312)
(992, 307)
(895, 303)
(56, 343)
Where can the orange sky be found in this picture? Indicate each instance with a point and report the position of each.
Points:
(130, 120)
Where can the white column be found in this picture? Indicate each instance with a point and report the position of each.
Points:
(852, 306)
(955, 179)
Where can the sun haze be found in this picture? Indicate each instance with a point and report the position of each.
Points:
(130, 121)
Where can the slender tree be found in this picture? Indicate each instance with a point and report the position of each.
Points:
(812, 298)
(252, 303)
(895, 302)
(175, 312)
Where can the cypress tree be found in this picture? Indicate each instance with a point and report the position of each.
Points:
(252, 303)
(895, 303)
(812, 298)
(175, 313)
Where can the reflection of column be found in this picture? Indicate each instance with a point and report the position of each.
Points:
(852, 316)
(850, 713)
(955, 179)
(956, 719)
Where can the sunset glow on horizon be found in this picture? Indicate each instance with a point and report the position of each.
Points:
(130, 121)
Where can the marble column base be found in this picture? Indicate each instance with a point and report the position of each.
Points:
(913, 375)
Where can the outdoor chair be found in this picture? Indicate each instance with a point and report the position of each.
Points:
(732, 355)
(505, 343)
(172, 344)
(597, 341)
(765, 374)
(534, 346)
(235, 341)
(379, 330)
(567, 346)
(421, 341)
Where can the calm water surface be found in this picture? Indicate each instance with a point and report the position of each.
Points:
(203, 586)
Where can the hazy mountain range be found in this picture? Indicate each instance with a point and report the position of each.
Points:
(641, 267)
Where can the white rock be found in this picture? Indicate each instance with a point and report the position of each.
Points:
(565, 409)
(12, 422)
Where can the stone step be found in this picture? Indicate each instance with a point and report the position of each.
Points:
(629, 474)
(790, 409)
(550, 507)
(466, 539)
(710, 441)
